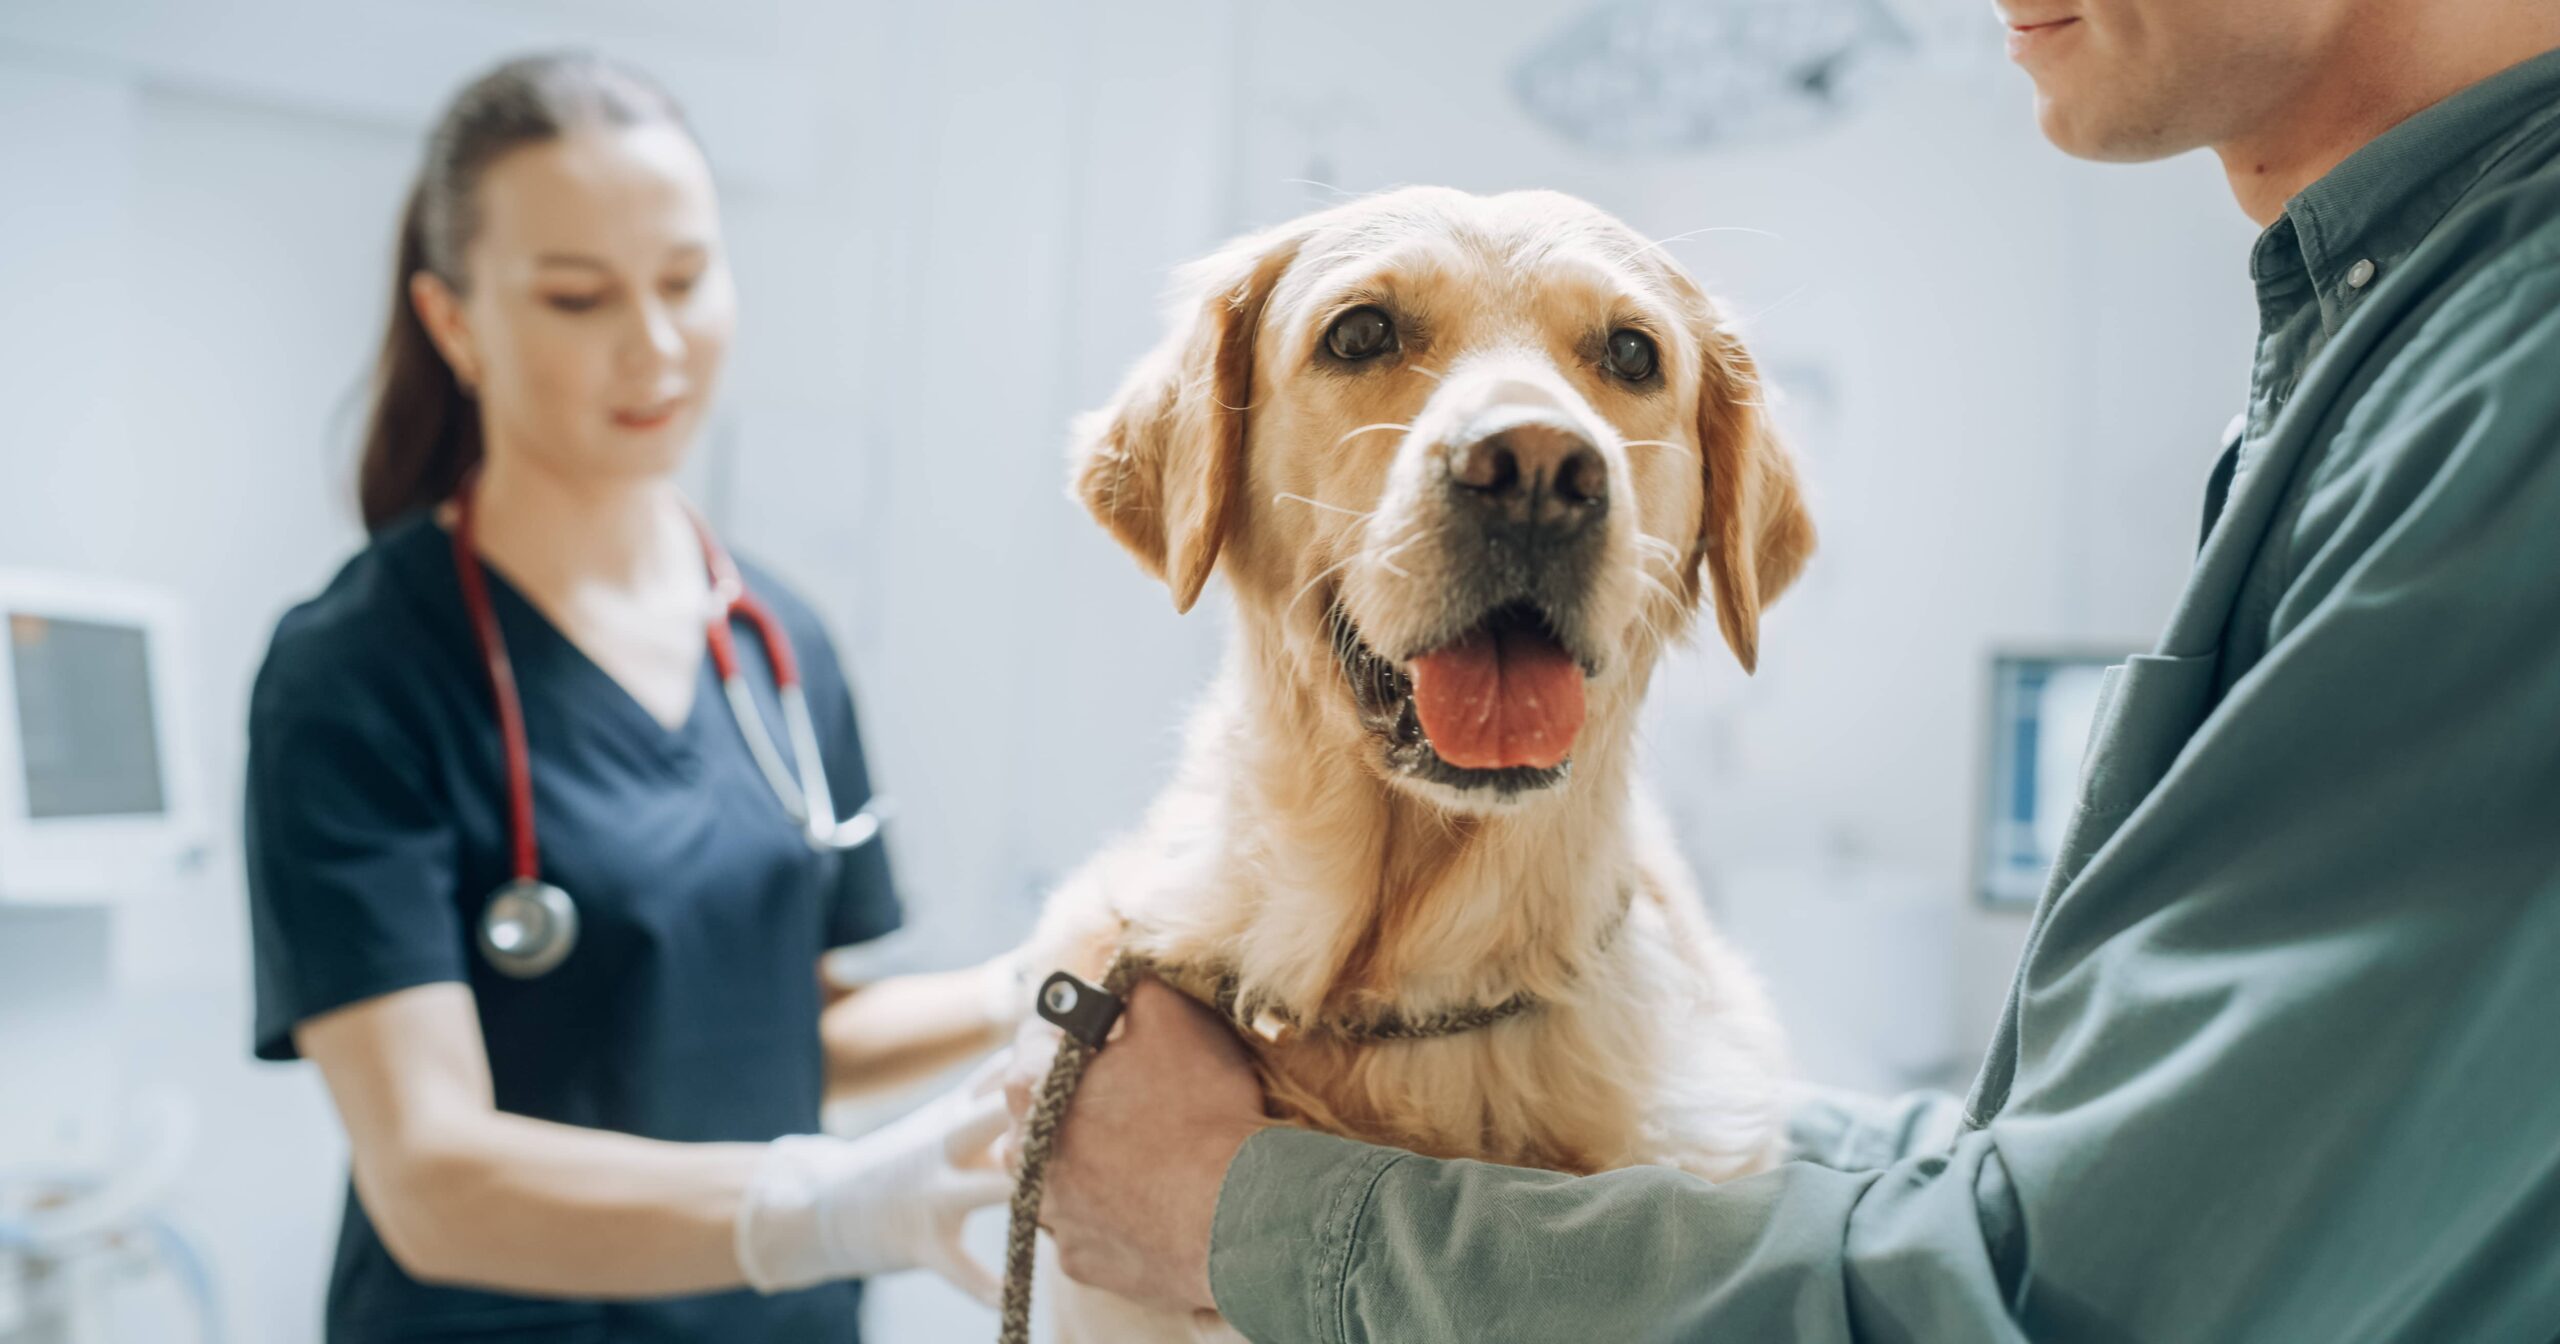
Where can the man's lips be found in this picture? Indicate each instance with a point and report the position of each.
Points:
(2025, 37)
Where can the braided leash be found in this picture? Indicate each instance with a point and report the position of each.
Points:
(1085, 1019)
(1040, 1137)
(1084, 1026)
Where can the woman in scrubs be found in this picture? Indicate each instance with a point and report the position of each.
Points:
(617, 1148)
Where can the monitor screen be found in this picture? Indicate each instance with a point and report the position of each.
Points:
(85, 721)
(2041, 711)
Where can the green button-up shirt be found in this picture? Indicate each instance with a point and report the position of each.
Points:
(2282, 1060)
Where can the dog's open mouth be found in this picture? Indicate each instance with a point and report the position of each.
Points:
(1497, 706)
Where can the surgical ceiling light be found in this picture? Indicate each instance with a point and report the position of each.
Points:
(1668, 75)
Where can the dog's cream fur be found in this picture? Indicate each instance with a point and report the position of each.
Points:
(1287, 846)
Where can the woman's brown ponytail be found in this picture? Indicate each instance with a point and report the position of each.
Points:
(424, 430)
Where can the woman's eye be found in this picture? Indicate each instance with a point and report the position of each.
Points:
(1631, 355)
(682, 285)
(1362, 333)
(573, 303)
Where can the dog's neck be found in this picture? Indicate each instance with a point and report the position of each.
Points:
(1355, 894)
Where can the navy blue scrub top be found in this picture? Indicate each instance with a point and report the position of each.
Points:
(688, 1011)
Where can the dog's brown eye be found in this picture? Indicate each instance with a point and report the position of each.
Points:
(1631, 355)
(1362, 333)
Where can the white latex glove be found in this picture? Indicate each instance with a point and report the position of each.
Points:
(822, 1208)
(1005, 982)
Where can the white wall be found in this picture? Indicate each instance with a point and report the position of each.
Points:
(951, 223)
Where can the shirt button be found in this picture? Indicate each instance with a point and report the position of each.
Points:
(2360, 274)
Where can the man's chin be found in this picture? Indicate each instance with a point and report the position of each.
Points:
(2083, 132)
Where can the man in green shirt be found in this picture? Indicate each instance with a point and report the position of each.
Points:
(2282, 1059)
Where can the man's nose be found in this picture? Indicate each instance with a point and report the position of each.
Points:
(1533, 474)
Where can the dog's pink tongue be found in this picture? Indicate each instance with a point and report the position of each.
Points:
(1499, 699)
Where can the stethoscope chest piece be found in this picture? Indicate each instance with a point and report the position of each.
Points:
(528, 928)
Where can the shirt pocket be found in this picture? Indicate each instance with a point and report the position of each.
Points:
(2149, 707)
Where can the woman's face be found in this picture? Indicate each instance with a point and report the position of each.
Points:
(596, 307)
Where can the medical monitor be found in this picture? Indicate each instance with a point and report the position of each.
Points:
(2042, 706)
(97, 795)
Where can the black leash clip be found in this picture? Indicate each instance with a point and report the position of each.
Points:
(1083, 1011)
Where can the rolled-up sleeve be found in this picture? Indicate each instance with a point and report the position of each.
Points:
(2286, 1046)
(1853, 1131)
(1329, 1241)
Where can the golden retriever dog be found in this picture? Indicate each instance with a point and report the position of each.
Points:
(1468, 465)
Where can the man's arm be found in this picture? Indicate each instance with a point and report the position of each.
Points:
(2286, 1047)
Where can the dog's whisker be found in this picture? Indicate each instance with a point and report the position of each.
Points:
(1387, 557)
(1700, 233)
(1670, 600)
(1433, 374)
(1654, 632)
(1371, 429)
(1399, 541)
(1672, 444)
(1321, 186)
(1783, 301)
(1653, 547)
(1645, 623)
(1320, 504)
(1320, 576)
(1644, 617)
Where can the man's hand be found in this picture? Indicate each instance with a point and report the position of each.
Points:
(1133, 1185)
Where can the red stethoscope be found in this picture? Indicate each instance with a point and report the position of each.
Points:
(529, 925)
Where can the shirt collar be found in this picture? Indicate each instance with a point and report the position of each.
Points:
(2359, 220)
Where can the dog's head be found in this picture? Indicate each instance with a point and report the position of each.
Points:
(1470, 462)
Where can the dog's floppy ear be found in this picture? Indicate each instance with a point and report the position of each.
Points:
(1755, 534)
(1163, 465)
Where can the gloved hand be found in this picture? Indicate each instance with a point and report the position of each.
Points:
(1006, 984)
(822, 1208)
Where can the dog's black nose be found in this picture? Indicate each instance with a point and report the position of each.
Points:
(1541, 475)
